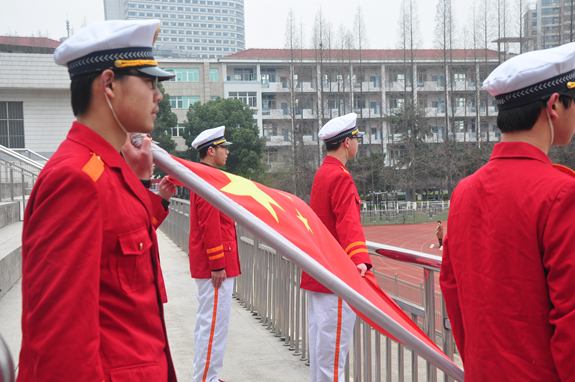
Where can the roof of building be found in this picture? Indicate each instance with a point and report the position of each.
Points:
(41, 42)
(366, 54)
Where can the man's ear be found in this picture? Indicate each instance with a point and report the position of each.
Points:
(346, 143)
(106, 81)
(552, 106)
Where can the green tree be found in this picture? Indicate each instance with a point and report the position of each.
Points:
(245, 157)
(165, 120)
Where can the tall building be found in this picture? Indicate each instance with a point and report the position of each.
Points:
(190, 28)
(550, 23)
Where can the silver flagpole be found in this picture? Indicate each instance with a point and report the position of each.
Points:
(301, 259)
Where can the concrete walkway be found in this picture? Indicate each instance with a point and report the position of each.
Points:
(253, 353)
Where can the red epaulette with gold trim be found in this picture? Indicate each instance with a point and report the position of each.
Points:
(94, 168)
(344, 169)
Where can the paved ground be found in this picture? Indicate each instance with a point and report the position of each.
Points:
(253, 353)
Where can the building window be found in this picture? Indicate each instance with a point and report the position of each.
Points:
(459, 76)
(185, 75)
(214, 77)
(183, 102)
(12, 124)
(178, 131)
(248, 98)
(271, 154)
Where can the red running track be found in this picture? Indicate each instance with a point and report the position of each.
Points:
(416, 237)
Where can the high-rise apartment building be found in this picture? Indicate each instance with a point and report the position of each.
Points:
(190, 28)
(549, 23)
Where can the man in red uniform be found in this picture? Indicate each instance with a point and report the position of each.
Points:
(508, 271)
(335, 200)
(92, 286)
(214, 262)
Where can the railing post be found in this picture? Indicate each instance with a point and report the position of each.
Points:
(23, 193)
(366, 351)
(11, 184)
(357, 351)
(447, 337)
(377, 356)
(429, 280)
(400, 363)
(414, 363)
(387, 359)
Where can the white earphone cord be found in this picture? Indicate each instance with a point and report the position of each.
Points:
(114, 113)
(551, 126)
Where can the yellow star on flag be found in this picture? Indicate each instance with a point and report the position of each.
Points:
(243, 187)
(304, 220)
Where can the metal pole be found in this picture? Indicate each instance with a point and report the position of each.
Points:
(297, 312)
(366, 351)
(377, 357)
(400, 363)
(11, 184)
(414, 366)
(357, 351)
(23, 193)
(429, 280)
(387, 359)
(447, 337)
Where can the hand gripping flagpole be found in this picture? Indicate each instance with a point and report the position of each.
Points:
(268, 235)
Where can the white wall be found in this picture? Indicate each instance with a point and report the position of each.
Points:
(47, 116)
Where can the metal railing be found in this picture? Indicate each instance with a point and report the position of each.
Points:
(11, 162)
(31, 154)
(269, 288)
(6, 363)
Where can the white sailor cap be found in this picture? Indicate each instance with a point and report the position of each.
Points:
(532, 76)
(210, 137)
(337, 129)
(115, 44)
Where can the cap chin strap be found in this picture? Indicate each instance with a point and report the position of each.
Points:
(114, 113)
(551, 126)
(213, 162)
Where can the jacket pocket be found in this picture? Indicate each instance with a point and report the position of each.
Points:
(143, 373)
(134, 260)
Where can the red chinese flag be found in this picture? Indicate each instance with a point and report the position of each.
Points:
(295, 220)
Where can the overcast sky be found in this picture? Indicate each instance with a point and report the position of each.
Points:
(264, 19)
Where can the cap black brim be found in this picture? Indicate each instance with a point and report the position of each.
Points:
(154, 71)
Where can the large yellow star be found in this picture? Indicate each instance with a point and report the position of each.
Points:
(243, 187)
(304, 220)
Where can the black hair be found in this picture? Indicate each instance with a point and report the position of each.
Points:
(523, 118)
(439, 221)
(81, 90)
(204, 152)
(333, 146)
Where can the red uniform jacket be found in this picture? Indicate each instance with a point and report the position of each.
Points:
(92, 286)
(335, 200)
(213, 241)
(508, 272)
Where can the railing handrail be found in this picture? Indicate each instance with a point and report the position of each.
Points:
(280, 303)
(42, 157)
(13, 154)
(420, 259)
(19, 169)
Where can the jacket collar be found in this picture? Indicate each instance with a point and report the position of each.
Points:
(332, 160)
(86, 137)
(519, 150)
